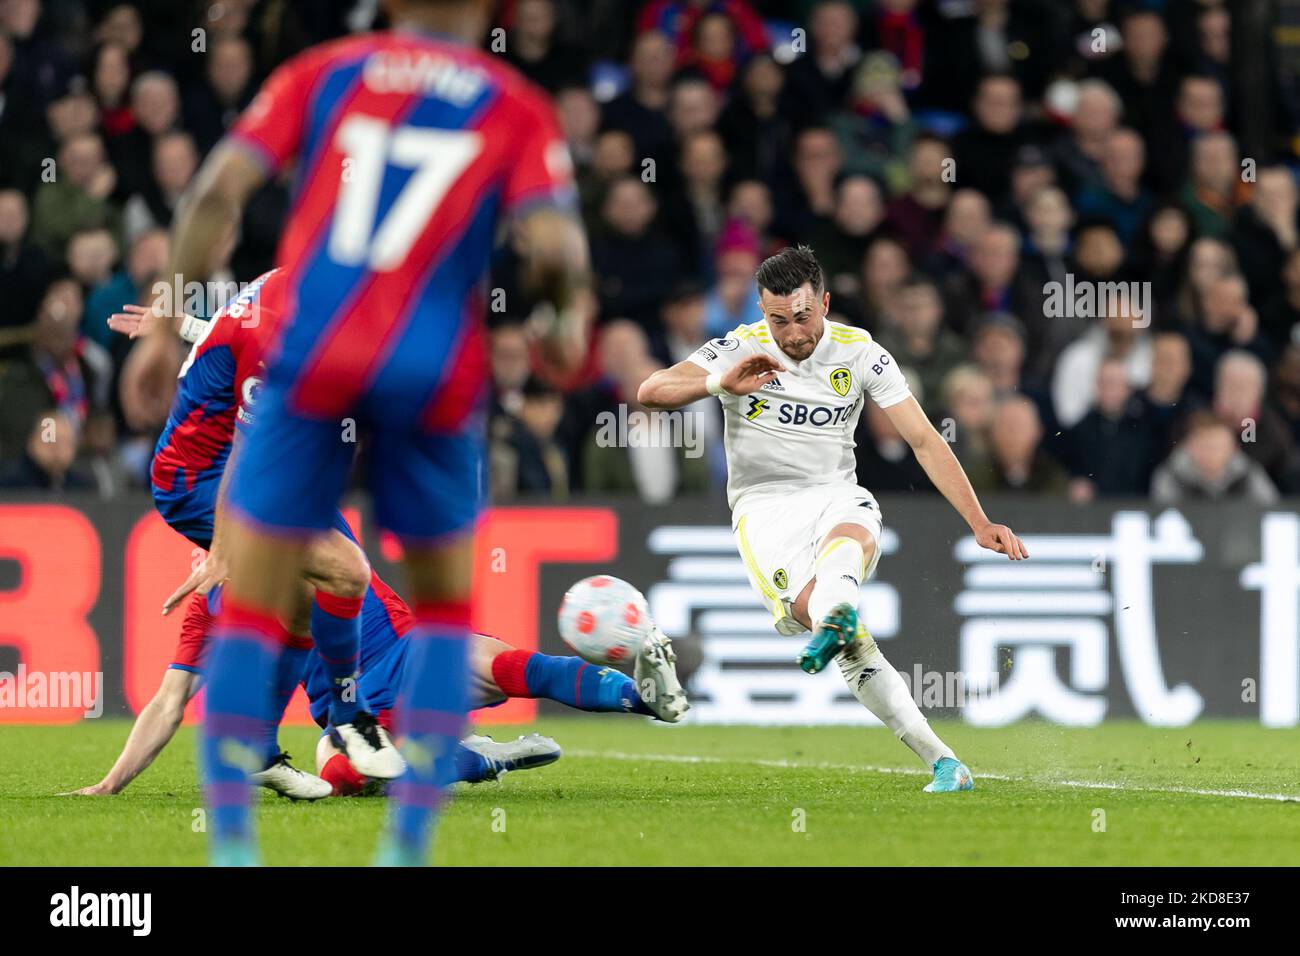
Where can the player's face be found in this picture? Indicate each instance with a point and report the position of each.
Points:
(796, 320)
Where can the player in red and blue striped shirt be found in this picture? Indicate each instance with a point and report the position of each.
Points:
(412, 148)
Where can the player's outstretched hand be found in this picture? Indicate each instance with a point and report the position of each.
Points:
(133, 321)
(201, 580)
(1000, 538)
(751, 374)
(98, 790)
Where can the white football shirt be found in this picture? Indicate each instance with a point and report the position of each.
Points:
(797, 430)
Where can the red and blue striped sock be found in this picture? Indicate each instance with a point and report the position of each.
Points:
(336, 629)
(241, 674)
(569, 680)
(430, 716)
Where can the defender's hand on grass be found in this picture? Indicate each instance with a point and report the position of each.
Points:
(98, 790)
(749, 375)
(1000, 538)
(202, 579)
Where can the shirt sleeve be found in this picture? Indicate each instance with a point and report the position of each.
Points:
(884, 380)
(718, 355)
(541, 173)
(272, 125)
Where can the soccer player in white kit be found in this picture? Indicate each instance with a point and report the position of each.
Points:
(792, 386)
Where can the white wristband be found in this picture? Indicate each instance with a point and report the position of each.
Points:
(192, 328)
(714, 384)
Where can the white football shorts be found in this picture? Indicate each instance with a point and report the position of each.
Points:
(779, 535)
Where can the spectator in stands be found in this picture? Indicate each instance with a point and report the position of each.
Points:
(885, 268)
(175, 160)
(1121, 198)
(809, 198)
(1167, 398)
(1208, 260)
(1280, 316)
(524, 458)
(1265, 233)
(1240, 381)
(711, 49)
(145, 261)
(734, 296)
(641, 110)
(58, 370)
(755, 127)
(1111, 450)
(1080, 150)
(1159, 255)
(1208, 465)
(1286, 388)
(1119, 336)
(533, 48)
(997, 346)
(695, 209)
(92, 254)
(46, 460)
(110, 84)
(968, 401)
(1017, 461)
(986, 150)
(78, 199)
(991, 281)
(820, 78)
(212, 107)
(875, 127)
(155, 103)
(1214, 187)
(1227, 321)
(921, 342)
(631, 255)
(965, 220)
(842, 241)
(750, 203)
(917, 214)
(24, 267)
(1144, 77)
(1045, 258)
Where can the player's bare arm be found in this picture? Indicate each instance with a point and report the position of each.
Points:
(216, 199)
(150, 733)
(557, 271)
(945, 471)
(686, 382)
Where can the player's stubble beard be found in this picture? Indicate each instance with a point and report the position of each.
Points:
(799, 349)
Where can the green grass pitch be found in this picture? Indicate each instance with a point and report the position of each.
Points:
(630, 793)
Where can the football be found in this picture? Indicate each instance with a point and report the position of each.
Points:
(604, 619)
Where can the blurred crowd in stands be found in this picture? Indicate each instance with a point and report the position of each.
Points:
(949, 161)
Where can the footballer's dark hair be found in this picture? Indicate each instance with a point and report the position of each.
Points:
(790, 268)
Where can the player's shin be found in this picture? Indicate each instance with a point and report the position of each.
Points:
(240, 705)
(881, 689)
(288, 675)
(839, 576)
(430, 716)
(336, 629)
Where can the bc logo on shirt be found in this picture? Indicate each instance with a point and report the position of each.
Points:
(841, 380)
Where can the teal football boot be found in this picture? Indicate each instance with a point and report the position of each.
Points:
(836, 631)
(950, 776)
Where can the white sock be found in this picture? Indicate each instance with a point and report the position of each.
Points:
(838, 578)
(882, 691)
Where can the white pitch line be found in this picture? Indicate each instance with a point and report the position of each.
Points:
(918, 772)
